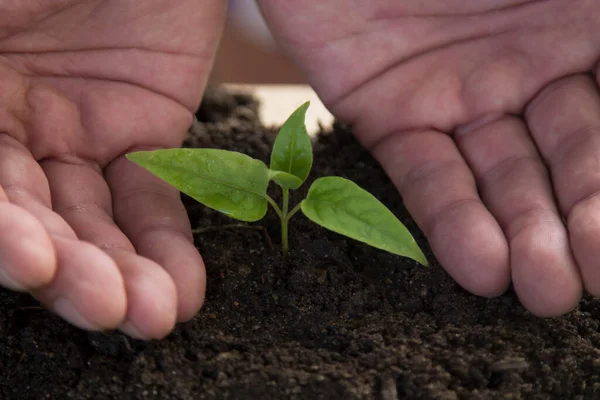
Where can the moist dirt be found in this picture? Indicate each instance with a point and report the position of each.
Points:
(335, 319)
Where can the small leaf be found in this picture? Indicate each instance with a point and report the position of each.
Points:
(342, 206)
(230, 182)
(292, 150)
(285, 180)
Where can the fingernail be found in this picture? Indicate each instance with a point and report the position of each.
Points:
(68, 311)
(130, 329)
(8, 282)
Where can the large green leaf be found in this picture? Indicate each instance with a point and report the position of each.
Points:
(292, 150)
(230, 182)
(343, 207)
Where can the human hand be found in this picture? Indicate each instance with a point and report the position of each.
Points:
(94, 237)
(486, 117)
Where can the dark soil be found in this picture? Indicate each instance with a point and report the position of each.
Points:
(334, 320)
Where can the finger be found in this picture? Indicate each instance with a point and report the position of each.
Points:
(71, 270)
(27, 256)
(439, 191)
(151, 214)
(514, 184)
(80, 195)
(564, 119)
(85, 290)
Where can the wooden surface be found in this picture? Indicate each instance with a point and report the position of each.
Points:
(279, 101)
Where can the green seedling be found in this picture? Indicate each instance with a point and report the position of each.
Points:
(236, 185)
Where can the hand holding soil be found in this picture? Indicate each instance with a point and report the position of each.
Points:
(92, 236)
(485, 115)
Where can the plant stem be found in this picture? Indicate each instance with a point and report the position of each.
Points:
(284, 220)
(284, 216)
(274, 205)
(294, 211)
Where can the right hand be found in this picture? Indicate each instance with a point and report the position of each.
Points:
(486, 117)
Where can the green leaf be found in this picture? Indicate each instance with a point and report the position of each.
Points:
(230, 182)
(285, 180)
(342, 206)
(292, 150)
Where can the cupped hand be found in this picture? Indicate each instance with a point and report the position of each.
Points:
(94, 237)
(485, 115)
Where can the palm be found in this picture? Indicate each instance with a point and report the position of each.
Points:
(484, 116)
(84, 82)
(125, 70)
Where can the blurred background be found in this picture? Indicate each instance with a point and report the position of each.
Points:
(249, 59)
(247, 53)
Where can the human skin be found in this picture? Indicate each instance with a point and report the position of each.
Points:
(485, 115)
(91, 235)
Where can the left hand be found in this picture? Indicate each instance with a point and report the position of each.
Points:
(83, 82)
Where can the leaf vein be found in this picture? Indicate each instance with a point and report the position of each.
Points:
(354, 216)
(227, 184)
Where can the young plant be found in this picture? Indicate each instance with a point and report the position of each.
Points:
(236, 185)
